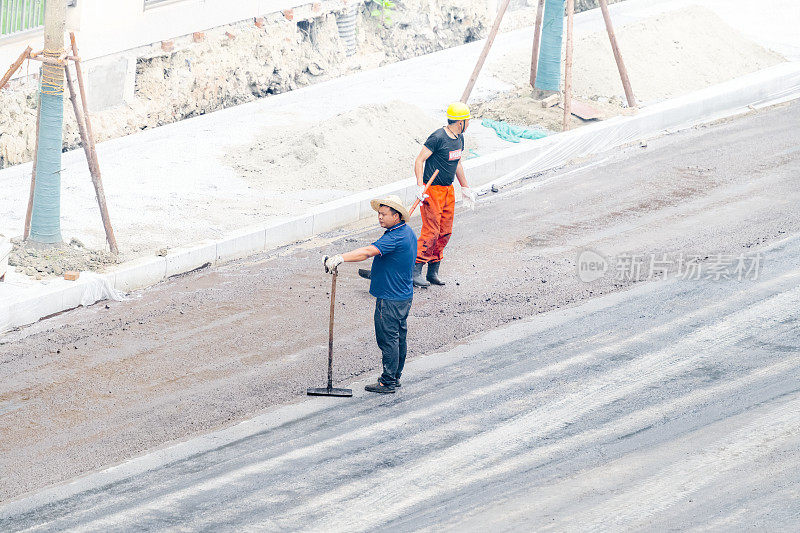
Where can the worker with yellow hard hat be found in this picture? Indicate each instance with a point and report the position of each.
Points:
(442, 151)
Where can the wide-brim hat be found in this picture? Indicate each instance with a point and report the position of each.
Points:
(392, 201)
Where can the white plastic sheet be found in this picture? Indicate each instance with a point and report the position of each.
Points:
(97, 288)
(19, 307)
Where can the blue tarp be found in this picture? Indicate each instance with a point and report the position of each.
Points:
(510, 133)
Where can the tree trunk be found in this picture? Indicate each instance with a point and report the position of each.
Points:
(46, 213)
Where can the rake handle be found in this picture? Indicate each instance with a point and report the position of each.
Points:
(330, 332)
(430, 181)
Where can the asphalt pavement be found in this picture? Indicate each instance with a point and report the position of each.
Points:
(619, 403)
(673, 405)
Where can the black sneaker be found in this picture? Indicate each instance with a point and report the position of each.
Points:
(397, 385)
(379, 388)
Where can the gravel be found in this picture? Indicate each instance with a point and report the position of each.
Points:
(98, 385)
(41, 261)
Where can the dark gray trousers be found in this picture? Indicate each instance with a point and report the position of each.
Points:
(390, 332)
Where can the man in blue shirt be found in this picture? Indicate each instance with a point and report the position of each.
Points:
(390, 283)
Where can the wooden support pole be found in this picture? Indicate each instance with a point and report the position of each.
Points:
(485, 51)
(623, 72)
(537, 37)
(91, 154)
(29, 212)
(93, 168)
(15, 66)
(568, 66)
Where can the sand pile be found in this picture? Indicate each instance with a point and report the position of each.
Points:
(666, 55)
(220, 72)
(369, 146)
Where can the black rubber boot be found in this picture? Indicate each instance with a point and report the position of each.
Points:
(419, 281)
(365, 273)
(433, 273)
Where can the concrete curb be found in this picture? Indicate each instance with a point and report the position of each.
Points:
(766, 87)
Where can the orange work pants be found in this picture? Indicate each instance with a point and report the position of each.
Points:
(437, 223)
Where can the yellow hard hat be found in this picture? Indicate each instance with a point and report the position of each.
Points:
(458, 111)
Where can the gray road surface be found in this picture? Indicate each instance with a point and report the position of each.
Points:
(97, 386)
(670, 406)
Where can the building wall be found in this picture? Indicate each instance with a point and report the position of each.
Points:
(106, 27)
(110, 27)
(111, 35)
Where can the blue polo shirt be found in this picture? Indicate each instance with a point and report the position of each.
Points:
(393, 269)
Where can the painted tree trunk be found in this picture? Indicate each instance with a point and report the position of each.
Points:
(548, 73)
(46, 215)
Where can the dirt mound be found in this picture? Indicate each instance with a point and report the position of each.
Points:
(39, 262)
(522, 108)
(369, 146)
(666, 55)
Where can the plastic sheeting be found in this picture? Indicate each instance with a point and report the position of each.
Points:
(511, 133)
(548, 72)
(31, 304)
(98, 288)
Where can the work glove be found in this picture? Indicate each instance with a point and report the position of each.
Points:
(421, 194)
(469, 197)
(331, 263)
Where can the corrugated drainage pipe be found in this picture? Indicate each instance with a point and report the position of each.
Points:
(346, 22)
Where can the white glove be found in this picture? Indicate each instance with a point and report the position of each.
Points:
(469, 197)
(421, 194)
(331, 263)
